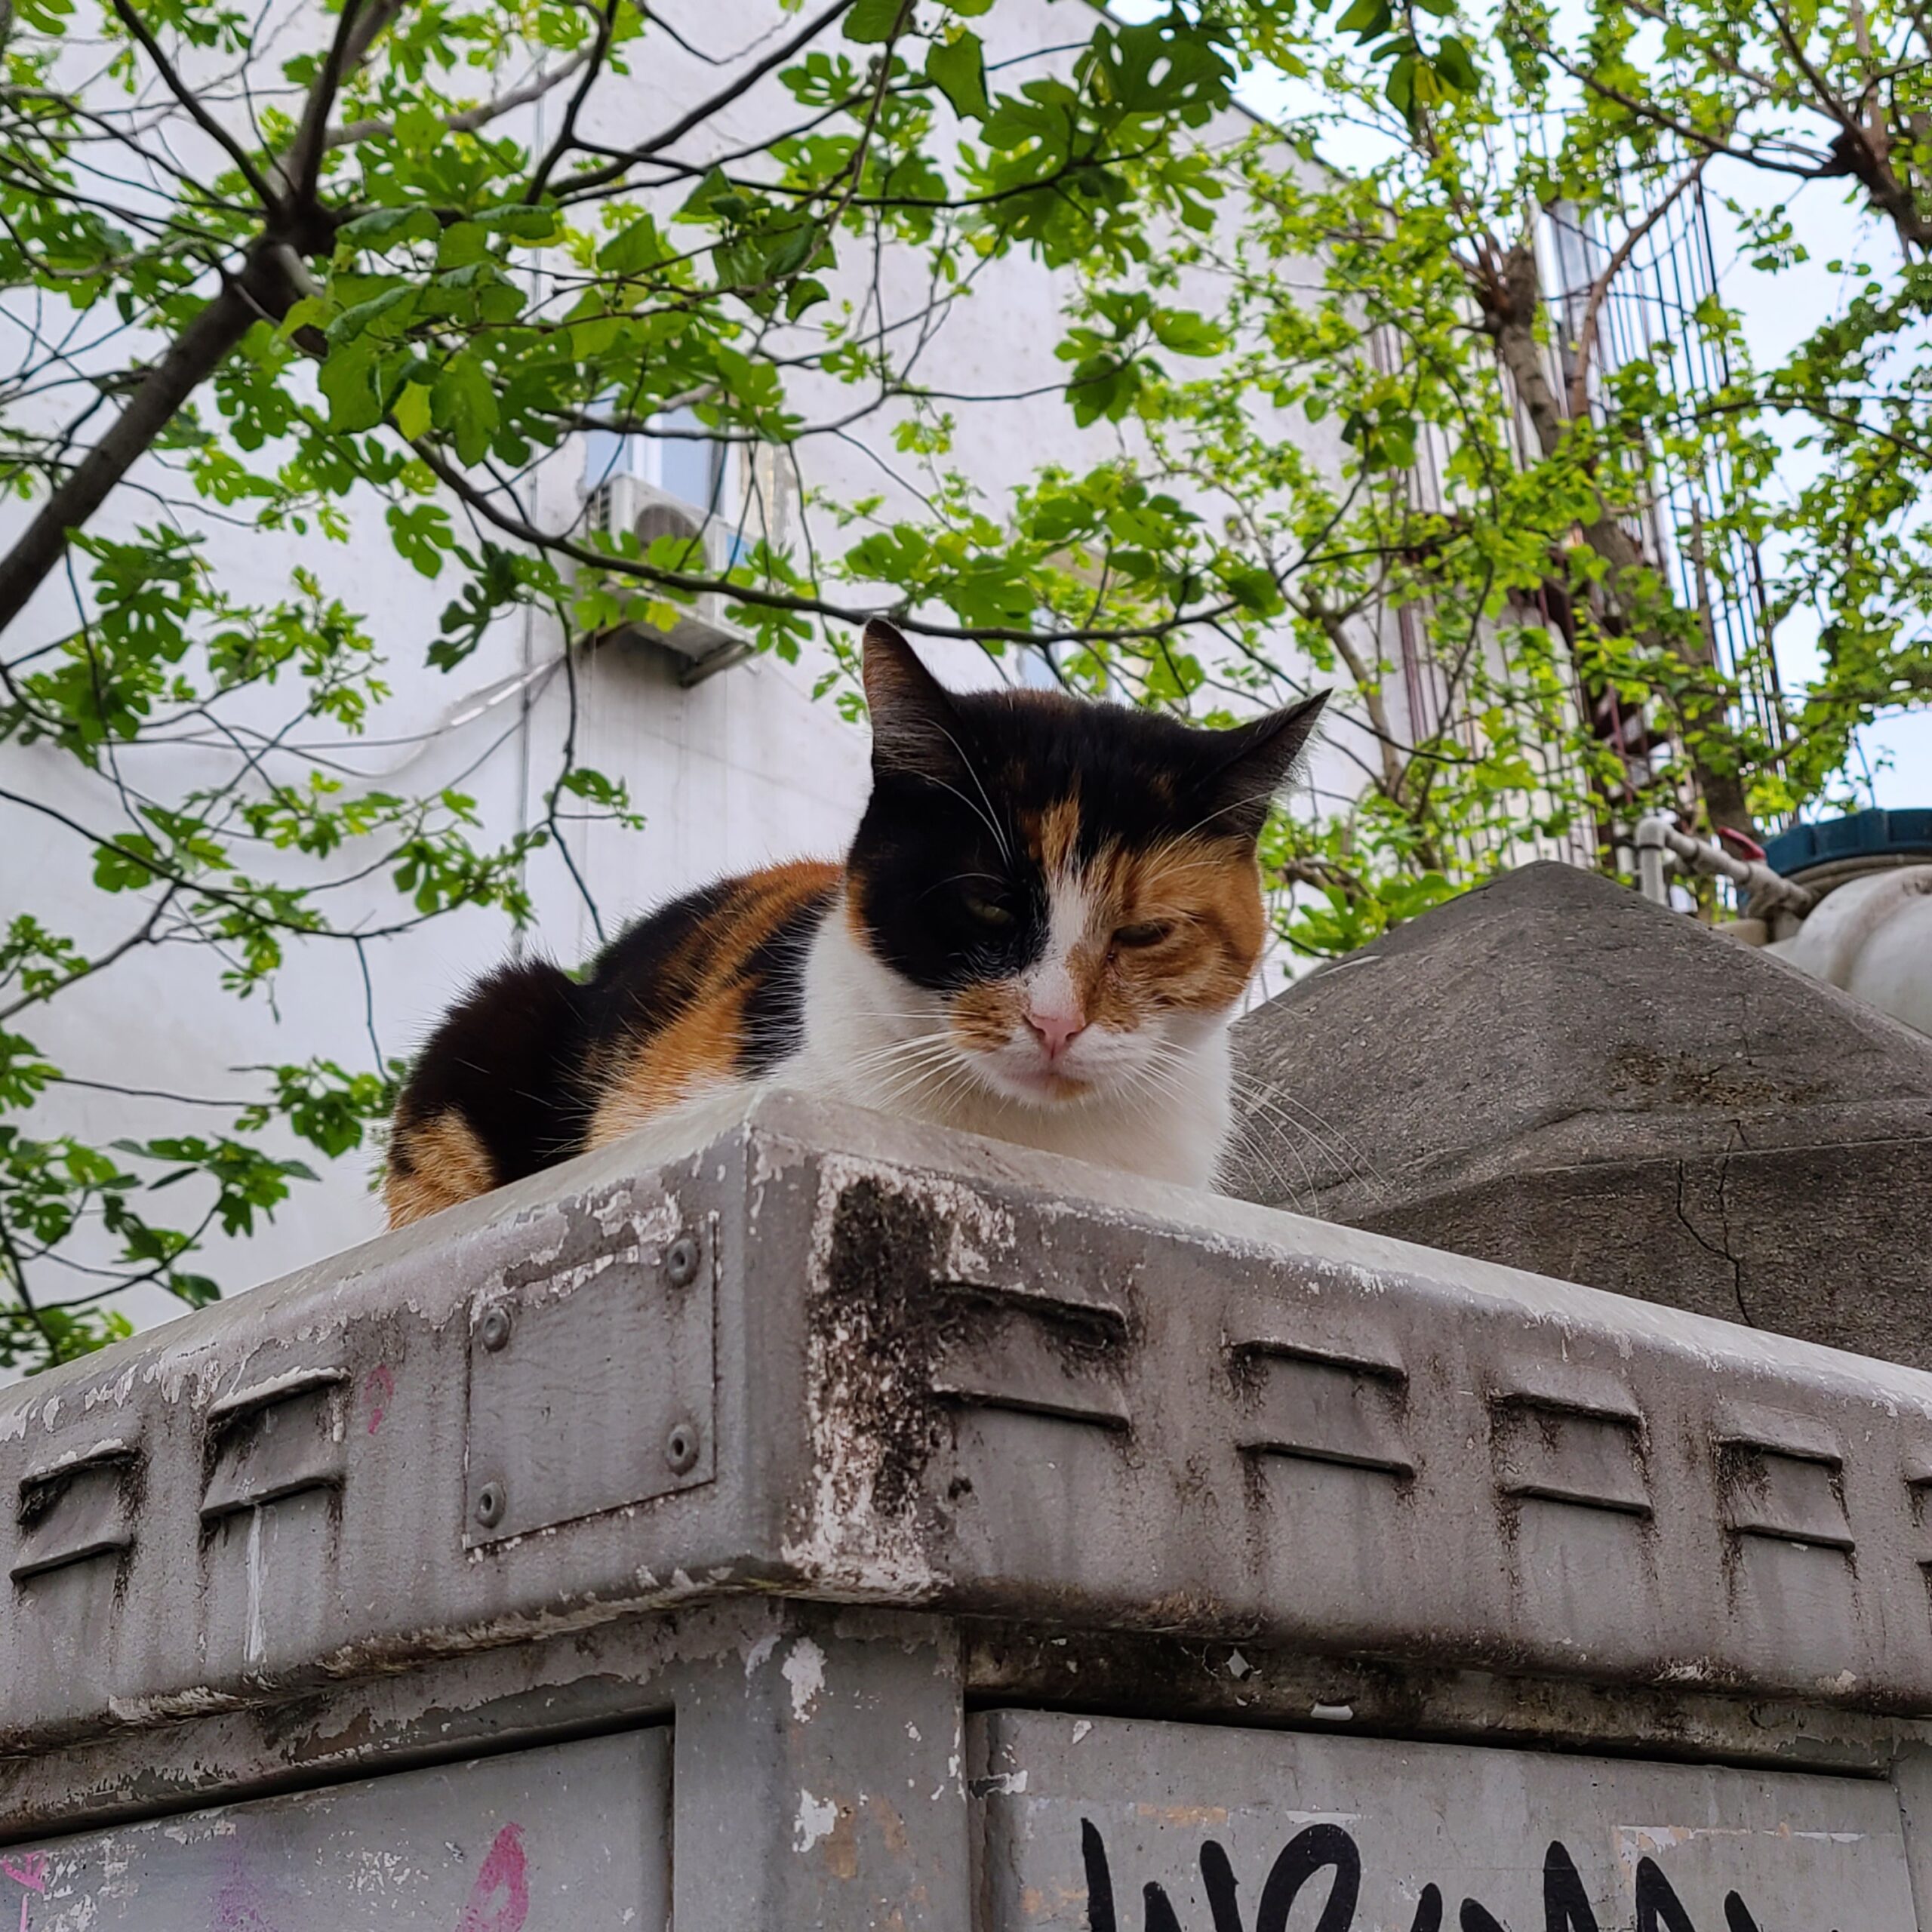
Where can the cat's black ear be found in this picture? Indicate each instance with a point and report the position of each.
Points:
(1252, 761)
(915, 729)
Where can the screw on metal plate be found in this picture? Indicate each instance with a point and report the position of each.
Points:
(494, 1332)
(680, 1448)
(681, 1260)
(490, 1502)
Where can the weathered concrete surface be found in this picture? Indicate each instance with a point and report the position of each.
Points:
(1550, 1073)
(769, 1464)
(583, 1829)
(1085, 1819)
(956, 1376)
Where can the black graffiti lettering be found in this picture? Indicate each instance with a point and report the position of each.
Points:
(1657, 1904)
(1100, 1880)
(1319, 1848)
(1565, 1905)
(1159, 1910)
(1217, 1876)
(1307, 1853)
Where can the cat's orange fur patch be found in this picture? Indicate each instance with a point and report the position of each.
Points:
(1208, 891)
(987, 1016)
(1054, 836)
(447, 1163)
(701, 1043)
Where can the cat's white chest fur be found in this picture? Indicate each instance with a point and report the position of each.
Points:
(874, 1040)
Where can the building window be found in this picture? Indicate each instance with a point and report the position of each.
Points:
(697, 469)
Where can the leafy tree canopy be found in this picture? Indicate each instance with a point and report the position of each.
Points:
(359, 268)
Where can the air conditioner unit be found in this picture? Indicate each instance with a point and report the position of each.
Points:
(702, 635)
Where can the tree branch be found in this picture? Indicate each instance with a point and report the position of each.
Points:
(271, 201)
(467, 120)
(705, 109)
(1599, 290)
(265, 288)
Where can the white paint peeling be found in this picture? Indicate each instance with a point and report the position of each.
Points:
(759, 1654)
(273, 1388)
(1082, 1729)
(106, 1449)
(816, 1819)
(257, 1642)
(804, 1670)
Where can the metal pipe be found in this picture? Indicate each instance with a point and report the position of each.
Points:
(1652, 864)
(1657, 836)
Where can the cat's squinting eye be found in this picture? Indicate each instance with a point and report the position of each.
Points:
(988, 912)
(1148, 932)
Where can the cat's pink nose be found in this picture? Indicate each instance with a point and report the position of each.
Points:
(1055, 1030)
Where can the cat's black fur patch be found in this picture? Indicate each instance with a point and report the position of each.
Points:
(504, 1060)
(970, 776)
(774, 974)
(518, 1059)
(650, 972)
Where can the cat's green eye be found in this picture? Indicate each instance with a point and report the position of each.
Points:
(1148, 932)
(988, 912)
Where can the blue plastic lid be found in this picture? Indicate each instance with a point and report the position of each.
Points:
(1857, 835)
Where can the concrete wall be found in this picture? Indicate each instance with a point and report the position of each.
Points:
(966, 1539)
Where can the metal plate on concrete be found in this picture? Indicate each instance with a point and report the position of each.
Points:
(593, 1388)
(572, 1838)
(1109, 1825)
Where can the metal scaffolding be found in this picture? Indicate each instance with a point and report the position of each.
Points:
(1656, 310)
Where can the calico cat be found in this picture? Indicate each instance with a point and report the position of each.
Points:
(1046, 919)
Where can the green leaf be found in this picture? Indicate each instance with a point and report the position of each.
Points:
(411, 410)
(462, 242)
(634, 249)
(120, 867)
(1186, 332)
(524, 224)
(388, 228)
(348, 382)
(395, 304)
(463, 403)
(872, 20)
(958, 68)
(1456, 65)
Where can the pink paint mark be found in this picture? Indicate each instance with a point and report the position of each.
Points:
(29, 1868)
(381, 1381)
(241, 1905)
(505, 1871)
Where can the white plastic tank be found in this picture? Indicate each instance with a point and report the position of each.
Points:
(1871, 933)
(1872, 936)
